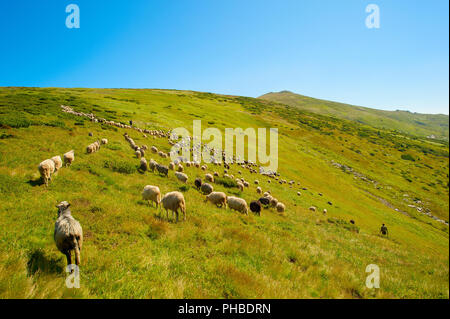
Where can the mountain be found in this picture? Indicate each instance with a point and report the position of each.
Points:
(425, 125)
(362, 176)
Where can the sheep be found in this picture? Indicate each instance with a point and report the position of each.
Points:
(246, 184)
(142, 152)
(204, 167)
(152, 193)
(325, 211)
(174, 201)
(104, 141)
(280, 207)
(264, 201)
(152, 164)
(138, 154)
(180, 168)
(237, 204)
(90, 149)
(209, 178)
(240, 186)
(68, 158)
(273, 202)
(46, 169)
(90, 134)
(216, 174)
(206, 188)
(162, 169)
(143, 164)
(258, 190)
(256, 182)
(299, 194)
(154, 149)
(181, 177)
(68, 234)
(312, 208)
(171, 166)
(58, 162)
(96, 145)
(217, 198)
(255, 207)
(198, 183)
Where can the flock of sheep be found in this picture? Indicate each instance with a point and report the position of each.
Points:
(68, 233)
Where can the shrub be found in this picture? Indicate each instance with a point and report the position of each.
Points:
(408, 157)
(122, 167)
(226, 182)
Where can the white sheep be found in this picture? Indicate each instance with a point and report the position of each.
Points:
(58, 162)
(206, 188)
(240, 186)
(258, 190)
(69, 158)
(151, 193)
(46, 169)
(181, 177)
(237, 204)
(68, 234)
(209, 178)
(104, 141)
(217, 198)
(174, 201)
(280, 207)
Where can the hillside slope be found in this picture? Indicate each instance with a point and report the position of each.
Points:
(369, 176)
(403, 121)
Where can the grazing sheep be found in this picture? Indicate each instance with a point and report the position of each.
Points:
(280, 207)
(255, 207)
(172, 166)
(325, 211)
(58, 162)
(237, 204)
(246, 184)
(68, 234)
(46, 169)
(198, 182)
(217, 198)
(258, 190)
(299, 194)
(152, 164)
(174, 201)
(90, 149)
(312, 208)
(143, 164)
(206, 188)
(256, 182)
(162, 169)
(180, 168)
(154, 149)
(151, 193)
(240, 186)
(216, 174)
(68, 158)
(209, 178)
(90, 134)
(265, 201)
(142, 152)
(273, 202)
(104, 141)
(352, 221)
(138, 154)
(181, 177)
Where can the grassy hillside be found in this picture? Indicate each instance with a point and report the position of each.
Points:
(403, 121)
(371, 176)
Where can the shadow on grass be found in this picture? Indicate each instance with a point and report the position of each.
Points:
(38, 262)
(35, 182)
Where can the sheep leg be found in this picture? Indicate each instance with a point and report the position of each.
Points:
(77, 255)
(69, 259)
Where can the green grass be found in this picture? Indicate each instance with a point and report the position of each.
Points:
(404, 121)
(130, 252)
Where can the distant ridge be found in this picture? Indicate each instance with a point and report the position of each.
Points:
(433, 126)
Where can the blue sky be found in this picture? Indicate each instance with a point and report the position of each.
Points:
(319, 48)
